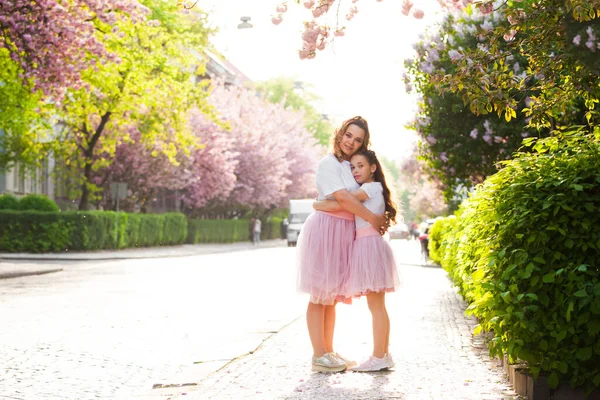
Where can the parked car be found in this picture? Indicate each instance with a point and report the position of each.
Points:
(300, 209)
(399, 231)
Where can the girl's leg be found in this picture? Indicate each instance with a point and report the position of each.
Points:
(315, 320)
(329, 327)
(381, 323)
(387, 339)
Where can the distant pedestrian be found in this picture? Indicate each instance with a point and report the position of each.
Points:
(256, 231)
(373, 270)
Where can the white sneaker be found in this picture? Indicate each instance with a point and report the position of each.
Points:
(349, 363)
(328, 362)
(390, 361)
(373, 364)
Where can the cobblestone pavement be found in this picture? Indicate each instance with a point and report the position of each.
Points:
(113, 329)
(436, 356)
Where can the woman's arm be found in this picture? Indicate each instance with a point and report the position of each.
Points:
(333, 205)
(326, 205)
(350, 203)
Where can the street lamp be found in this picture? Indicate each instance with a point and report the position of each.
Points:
(245, 24)
(298, 87)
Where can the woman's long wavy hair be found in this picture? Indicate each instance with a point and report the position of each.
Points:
(337, 137)
(391, 210)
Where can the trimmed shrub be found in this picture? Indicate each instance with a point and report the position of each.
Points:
(218, 231)
(527, 258)
(9, 202)
(37, 202)
(37, 232)
(151, 230)
(133, 230)
(271, 229)
(33, 231)
(175, 229)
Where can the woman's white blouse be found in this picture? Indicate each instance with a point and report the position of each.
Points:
(332, 176)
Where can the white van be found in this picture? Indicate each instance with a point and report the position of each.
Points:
(300, 209)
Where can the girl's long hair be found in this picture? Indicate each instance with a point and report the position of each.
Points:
(391, 210)
(337, 136)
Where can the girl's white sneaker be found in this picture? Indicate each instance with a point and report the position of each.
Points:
(373, 364)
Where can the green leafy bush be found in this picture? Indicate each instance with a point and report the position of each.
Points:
(175, 228)
(37, 202)
(37, 232)
(218, 231)
(9, 202)
(525, 253)
(436, 238)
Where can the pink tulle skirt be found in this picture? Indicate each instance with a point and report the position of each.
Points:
(372, 265)
(323, 250)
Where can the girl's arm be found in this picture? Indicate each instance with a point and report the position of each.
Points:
(333, 205)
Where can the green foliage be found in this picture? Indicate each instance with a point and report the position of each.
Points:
(37, 202)
(38, 232)
(148, 89)
(279, 89)
(151, 230)
(9, 202)
(175, 229)
(525, 250)
(218, 231)
(271, 229)
(437, 232)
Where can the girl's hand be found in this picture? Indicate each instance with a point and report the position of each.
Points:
(380, 222)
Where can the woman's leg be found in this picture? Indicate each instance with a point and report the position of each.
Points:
(381, 323)
(329, 327)
(315, 320)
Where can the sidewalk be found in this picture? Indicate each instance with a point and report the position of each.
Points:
(25, 264)
(435, 353)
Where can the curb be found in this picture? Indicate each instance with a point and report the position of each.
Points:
(19, 274)
(115, 256)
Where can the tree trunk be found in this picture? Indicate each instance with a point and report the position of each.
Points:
(84, 203)
(88, 154)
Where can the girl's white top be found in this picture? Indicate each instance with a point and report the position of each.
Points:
(375, 202)
(332, 176)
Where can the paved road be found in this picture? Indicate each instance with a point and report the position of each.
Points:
(107, 329)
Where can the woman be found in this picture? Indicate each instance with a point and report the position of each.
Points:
(325, 242)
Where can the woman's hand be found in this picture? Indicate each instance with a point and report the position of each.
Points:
(380, 222)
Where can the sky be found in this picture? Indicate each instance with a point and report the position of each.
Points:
(360, 74)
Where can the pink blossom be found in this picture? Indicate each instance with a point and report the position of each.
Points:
(276, 20)
(418, 13)
(510, 36)
(474, 133)
(406, 6)
(282, 8)
(577, 40)
(309, 4)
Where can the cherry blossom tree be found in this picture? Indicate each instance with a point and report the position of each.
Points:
(53, 42)
(319, 32)
(148, 87)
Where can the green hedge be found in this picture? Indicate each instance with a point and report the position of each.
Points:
(218, 231)
(9, 202)
(37, 202)
(229, 230)
(38, 232)
(525, 253)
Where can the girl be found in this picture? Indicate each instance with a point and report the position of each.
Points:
(325, 242)
(372, 266)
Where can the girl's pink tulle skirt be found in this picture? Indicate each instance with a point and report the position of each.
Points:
(323, 252)
(372, 265)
